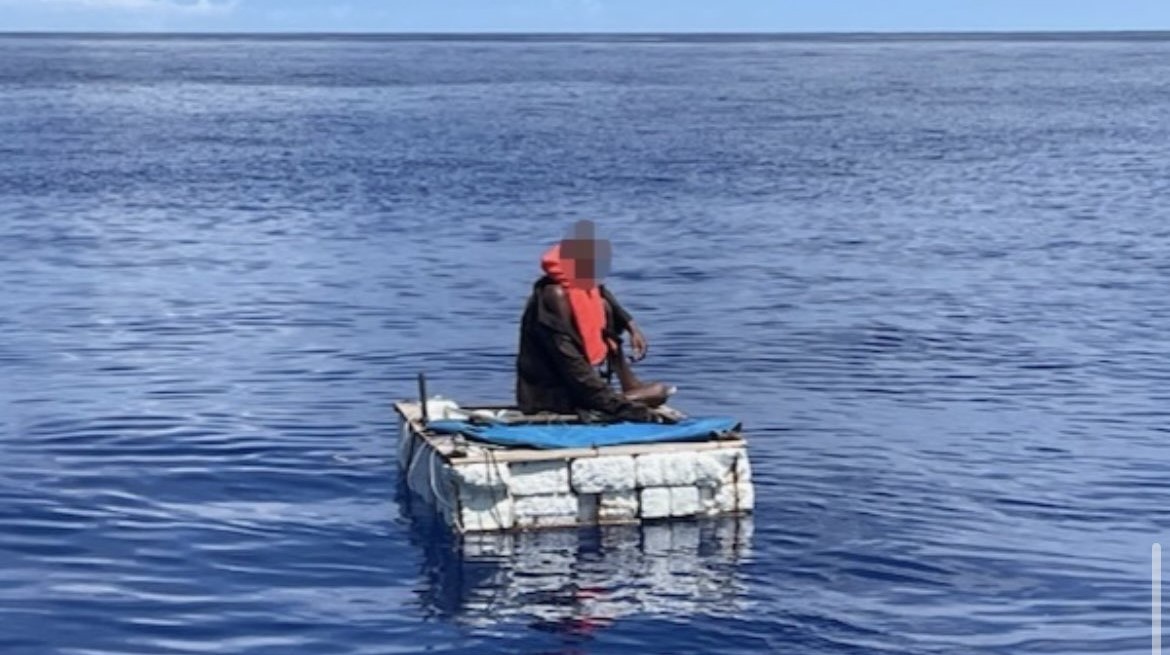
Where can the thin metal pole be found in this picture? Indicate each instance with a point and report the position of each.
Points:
(422, 395)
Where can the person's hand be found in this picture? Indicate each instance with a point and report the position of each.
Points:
(664, 416)
(639, 413)
(638, 344)
(669, 414)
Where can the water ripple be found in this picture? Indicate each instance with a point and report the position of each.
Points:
(928, 275)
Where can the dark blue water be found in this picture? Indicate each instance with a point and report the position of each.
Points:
(932, 277)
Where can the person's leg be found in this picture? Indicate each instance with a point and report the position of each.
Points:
(617, 360)
(625, 373)
(649, 393)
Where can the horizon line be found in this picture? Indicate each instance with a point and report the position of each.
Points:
(489, 34)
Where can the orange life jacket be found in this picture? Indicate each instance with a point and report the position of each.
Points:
(585, 301)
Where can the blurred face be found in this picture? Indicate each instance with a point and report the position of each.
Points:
(587, 258)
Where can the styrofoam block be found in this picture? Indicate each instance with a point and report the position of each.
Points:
(665, 469)
(483, 476)
(421, 471)
(709, 468)
(593, 475)
(480, 499)
(724, 500)
(486, 521)
(547, 505)
(441, 489)
(734, 497)
(483, 510)
(743, 467)
(707, 500)
(587, 508)
(655, 502)
(533, 478)
(405, 436)
(745, 497)
(618, 506)
(715, 467)
(712, 467)
(684, 501)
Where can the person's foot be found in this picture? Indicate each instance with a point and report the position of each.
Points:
(651, 394)
(669, 414)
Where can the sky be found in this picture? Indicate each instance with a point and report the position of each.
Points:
(581, 15)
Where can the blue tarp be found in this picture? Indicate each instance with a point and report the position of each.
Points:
(588, 435)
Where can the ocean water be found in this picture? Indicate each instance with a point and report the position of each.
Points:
(931, 276)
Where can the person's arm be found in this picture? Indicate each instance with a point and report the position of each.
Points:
(621, 318)
(589, 389)
(623, 322)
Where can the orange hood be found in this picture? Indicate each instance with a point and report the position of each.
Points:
(585, 301)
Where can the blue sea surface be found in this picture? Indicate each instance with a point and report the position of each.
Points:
(930, 275)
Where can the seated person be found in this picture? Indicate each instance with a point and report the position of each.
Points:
(571, 326)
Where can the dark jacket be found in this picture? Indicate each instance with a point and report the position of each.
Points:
(552, 372)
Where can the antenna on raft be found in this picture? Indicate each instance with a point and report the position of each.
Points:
(422, 395)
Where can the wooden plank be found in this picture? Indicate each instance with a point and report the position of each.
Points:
(408, 410)
(495, 407)
(478, 453)
(415, 411)
(515, 455)
(442, 444)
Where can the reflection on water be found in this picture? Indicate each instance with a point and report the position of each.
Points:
(577, 581)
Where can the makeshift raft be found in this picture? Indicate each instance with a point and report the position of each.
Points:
(493, 469)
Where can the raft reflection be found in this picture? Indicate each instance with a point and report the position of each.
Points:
(580, 580)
